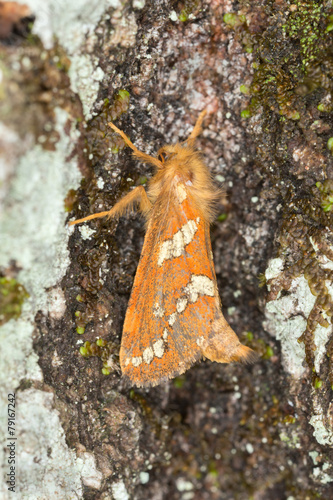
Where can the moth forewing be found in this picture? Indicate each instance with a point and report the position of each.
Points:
(174, 315)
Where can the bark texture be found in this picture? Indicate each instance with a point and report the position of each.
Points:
(264, 72)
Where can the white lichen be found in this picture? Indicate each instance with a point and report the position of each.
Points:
(34, 236)
(323, 430)
(47, 467)
(275, 266)
(86, 232)
(119, 491)
(286, 320)
(73, 25)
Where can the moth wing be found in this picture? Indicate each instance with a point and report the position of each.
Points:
(174, 313)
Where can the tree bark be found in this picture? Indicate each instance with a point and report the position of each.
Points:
(263, 71)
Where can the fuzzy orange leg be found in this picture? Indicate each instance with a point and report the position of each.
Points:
(138, 195)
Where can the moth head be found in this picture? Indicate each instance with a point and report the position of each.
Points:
(166, 154)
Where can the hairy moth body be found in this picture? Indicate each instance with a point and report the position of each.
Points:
(174, 314)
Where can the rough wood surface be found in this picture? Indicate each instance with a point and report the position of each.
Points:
(264, 72)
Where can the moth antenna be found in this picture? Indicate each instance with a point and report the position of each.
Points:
(197, 128)
(142, 156)
(138, 195)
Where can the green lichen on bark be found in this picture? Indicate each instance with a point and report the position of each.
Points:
(99, 139)
(304, 243)
(299, 61)
(12, 296)
(291, 92)
(100, 144)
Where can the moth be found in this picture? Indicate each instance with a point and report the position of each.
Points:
(174, 316)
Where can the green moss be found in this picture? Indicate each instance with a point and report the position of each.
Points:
(292, 59)
(298, 62)
(101, 342)
(268, 353)
(302, 232)
(325, 107)
(99, 137)
(179, 382)
(80, 330)
(190, 7)
(183, 16)
(330, 143)
(249, 335)
(317, 384)
(294, 115)
(234, 20)
(212, 469)
(105, 351)
(84, 352)
(222, 217)
(262, 280)
(12, 296)
(244, 89)
(238, 23)
(142, 180)
(304, 26)
(289, 419)
(326, 194)
(123, 95)
(246, 113)
(70, 200)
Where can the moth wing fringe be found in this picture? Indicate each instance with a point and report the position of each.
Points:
(230, 353)
(223, 345)
(153, 382)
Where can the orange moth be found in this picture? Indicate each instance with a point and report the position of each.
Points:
(174, 315)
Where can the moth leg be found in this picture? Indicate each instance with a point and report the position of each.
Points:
(138, 195)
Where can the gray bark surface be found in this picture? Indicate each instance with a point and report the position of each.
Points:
(263, 70)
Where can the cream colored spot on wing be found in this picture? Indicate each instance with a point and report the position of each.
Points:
(201, 341)
(181, 192)
(175, 247)
(127, 362)
(172, 319)
(158, 311)
(148, 355)
(199, 285)
(136, 361)
(165, 252)
(181, 304)
(189, 229)
(165, 334)
(158, 347)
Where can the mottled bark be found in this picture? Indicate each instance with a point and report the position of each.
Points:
(264, 73)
